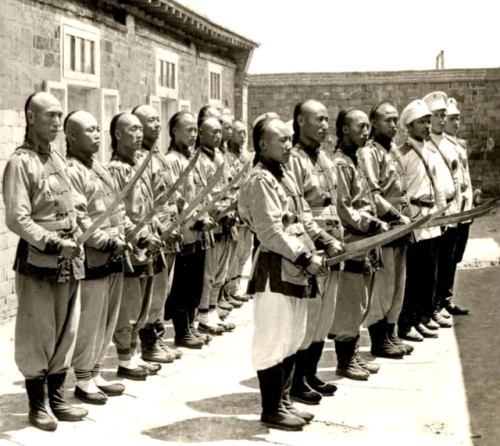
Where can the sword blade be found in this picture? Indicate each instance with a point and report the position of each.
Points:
(147, 218)
(365, 245)
(102, 218)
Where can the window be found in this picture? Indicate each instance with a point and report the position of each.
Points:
(80, 53)
(110, 106)
(60, 91)
(166, 74)
(215, 85)
(166, 109)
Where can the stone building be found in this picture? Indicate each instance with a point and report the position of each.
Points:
(107, 56)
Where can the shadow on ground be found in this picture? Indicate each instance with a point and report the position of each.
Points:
(207, 429)
(14, 412)
(478, 337)
(231, 404)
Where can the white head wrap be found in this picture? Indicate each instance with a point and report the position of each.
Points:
(413, 111)
(436, 101)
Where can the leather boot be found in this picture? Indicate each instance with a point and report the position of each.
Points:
(410, 333)
(381, 345)
(206, 338)
(60, 407)
(288, 368)
(391, 334)
(441, 320)
(160, 332)
(300, 391)
(370, 367)
(183, 335)
(150, 347)
(346, 364)
(40, 415)
(274, 414)
(313, 357)
(455, 310)
(223, 303)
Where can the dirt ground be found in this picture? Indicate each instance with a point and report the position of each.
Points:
(445, 393)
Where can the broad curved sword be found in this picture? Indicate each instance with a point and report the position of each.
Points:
(146, 219)
(460, 217)
(102, 218)
(367, 244)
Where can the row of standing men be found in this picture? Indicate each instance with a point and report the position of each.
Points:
(116, 287)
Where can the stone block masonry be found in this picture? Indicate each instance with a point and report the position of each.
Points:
(476, 90)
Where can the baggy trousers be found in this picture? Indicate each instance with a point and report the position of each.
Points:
(354, 298)
(239, 259)
(321, 310)
(421, 282)
(279, 327)
(187, 283)
(161, 290)
(134, 312)
(389, 288)
(100, 304)
(216, 267)
(46, 325)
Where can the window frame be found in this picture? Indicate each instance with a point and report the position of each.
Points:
(173, 58)
(106, 92)
(216, 69)
(88, 32)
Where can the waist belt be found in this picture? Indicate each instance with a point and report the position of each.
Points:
(420, 203)
(59, 225)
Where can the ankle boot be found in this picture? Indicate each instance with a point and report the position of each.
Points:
(410, 333)
(381, 345)
(288, 368)
(206, 338)
(300, 391)
(391, 334)
(60, 407)
(40, 415)
(150, 347)
(313, 357)
(160, 332)
(346, 364)
(183, 335)
(274, 414)
(368, 366)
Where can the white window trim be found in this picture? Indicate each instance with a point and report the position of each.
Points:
(167, 56)
(107, 92)
(214, 68)
(151, 101)
(88, 32)
(183, 103)
(49, 86)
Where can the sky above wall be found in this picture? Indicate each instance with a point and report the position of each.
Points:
(362, 35)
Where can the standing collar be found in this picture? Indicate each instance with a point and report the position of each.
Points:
(36, 147)
(277, 169)
(312, 151)
(349, 153)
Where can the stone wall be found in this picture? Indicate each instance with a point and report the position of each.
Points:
(477, 91)
(30, 54)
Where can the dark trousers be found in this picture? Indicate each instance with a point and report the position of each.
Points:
(187, 285)
(451, 252)
(420, 298)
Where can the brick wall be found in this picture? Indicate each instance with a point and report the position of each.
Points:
(477, 91)
(30, 53)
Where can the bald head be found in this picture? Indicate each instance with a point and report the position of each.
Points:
(384, 119)
(43, 117)
(239, 135)
(276, 142)
(127, 132)
(310, 123)
(355, 129)
(210, 133)
(227, 127)
(83, 134)
(151, 125)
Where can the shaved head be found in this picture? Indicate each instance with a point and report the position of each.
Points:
(310, 123)
(126, 131)
(355, 128)
(227, 127)
(275, 142)
(150, 121)
(210, 133)
(43, 117)
(83, 134)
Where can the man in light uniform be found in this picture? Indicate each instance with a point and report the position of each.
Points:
(386, 177)
(153, 347)
(426, 196)
(40, 210)
(101, 291)
(315, 175)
